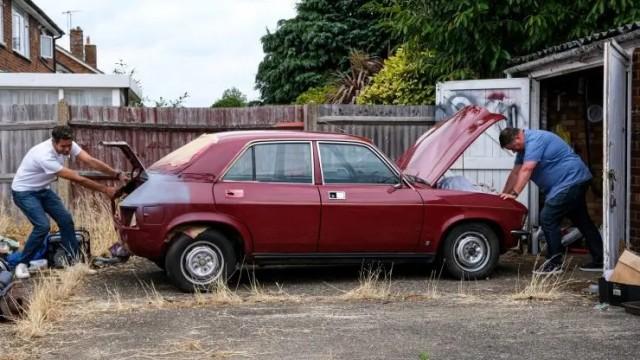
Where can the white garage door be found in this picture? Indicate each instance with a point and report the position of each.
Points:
(485, 162)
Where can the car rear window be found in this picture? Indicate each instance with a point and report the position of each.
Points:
(185, 153)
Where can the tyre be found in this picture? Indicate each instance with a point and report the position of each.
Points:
(471, 251)
(196, 264)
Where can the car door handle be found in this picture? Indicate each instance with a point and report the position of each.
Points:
(337, 195)
(234, 193)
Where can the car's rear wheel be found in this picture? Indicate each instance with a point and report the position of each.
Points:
(197, 264)
(471, 251)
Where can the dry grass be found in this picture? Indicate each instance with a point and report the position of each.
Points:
(258, 294)
(431, 286)
(375, 284)
(153, 297)
(544, 287)
(47, 299)
(12, 225)
(92, 212)
(184, 348)
(218, 294)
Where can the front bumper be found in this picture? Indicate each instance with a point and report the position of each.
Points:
(520, 234)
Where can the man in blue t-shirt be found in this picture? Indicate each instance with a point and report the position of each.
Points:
(563, 178)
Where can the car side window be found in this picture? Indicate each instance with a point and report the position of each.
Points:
(274, 162)
(353, 164)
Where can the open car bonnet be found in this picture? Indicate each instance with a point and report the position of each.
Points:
(437, 149)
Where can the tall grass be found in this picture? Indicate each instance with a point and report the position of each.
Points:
(47, 299)
(92, 212)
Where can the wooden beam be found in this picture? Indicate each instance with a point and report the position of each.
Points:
(166, 127)
(28, 125)
(377, 120)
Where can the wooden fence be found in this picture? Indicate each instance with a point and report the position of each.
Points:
(154, 132)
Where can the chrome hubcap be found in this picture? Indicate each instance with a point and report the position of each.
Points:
(471, 251)
(202, 263)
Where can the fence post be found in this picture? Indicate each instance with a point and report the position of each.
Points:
(310, 117)
(64, 185)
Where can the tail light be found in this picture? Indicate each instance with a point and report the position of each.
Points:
(128, 216)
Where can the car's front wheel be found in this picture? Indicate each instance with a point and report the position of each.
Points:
(471, 251)
(198, 263)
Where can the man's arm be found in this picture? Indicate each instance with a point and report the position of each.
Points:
(511, 180)
(521, 180)
(71, 175)
(100, 166)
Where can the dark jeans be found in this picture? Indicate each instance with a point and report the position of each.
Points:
(572, 204)
(36, 205)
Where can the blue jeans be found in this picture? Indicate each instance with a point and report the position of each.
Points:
(36, 205)
(572, 204)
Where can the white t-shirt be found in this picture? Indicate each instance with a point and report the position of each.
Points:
(39, 167)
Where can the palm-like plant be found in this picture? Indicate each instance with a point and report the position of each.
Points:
(350, 83)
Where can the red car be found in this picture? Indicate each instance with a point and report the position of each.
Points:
(283, 197)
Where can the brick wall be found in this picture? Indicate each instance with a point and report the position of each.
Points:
(567, 100)
(71, 64)
(11, 61)
(635, 152)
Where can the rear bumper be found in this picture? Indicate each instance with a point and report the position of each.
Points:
(145, 241)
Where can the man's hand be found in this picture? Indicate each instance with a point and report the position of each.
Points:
(110, 191)
(505, 196)
(122, 176)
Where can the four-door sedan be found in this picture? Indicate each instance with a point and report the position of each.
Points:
(283, 197)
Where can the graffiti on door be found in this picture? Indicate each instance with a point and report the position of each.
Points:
(496, 101)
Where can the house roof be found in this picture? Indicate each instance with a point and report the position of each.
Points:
(80, 62)
(41, 16)
(69, 81)
(611, 33)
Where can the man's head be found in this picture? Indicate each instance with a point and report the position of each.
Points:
(512, 139)
(62, 137)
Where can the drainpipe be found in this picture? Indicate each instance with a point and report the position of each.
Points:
(55, 63)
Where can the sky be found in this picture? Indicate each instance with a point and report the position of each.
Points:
(198, 46)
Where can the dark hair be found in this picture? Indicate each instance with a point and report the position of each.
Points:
(62, 132)
(508, 135)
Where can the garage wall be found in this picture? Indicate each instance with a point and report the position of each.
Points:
(635, 153)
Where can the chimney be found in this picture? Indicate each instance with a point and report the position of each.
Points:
(90, 54)
(76, 43)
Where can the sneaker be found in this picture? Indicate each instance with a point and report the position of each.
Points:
(548, 268)
(592, 266)
(21, 271)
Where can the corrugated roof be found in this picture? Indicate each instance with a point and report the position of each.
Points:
(577, 43)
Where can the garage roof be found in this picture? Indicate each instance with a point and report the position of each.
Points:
(624, 29)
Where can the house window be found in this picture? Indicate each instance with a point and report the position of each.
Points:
(46, 46)
(20, 31)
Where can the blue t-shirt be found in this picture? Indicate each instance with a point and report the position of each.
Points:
(558, 168)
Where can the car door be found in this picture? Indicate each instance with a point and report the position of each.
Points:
(270, 189)
(364, 206)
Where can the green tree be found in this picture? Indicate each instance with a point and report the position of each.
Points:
(307, 50)
(400, 82)
(481, 36)
(231, 98)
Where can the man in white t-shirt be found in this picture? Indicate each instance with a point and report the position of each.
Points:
(32, 194)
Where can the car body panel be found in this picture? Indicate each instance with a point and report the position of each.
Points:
(435, 151)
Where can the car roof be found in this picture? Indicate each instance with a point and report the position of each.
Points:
(245, 136)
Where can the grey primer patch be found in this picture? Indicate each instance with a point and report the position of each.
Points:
(159, 189)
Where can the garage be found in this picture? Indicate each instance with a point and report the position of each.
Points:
(588, 92)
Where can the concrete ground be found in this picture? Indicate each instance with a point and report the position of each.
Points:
(132, 312)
